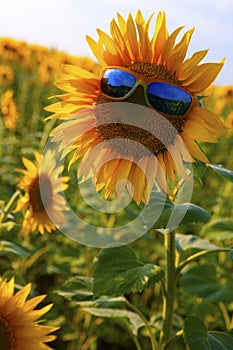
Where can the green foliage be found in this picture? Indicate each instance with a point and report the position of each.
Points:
(187, 242)
(220, 229)
(220, 169)
(131, 320)
(9, 247)
(117, 271)
(77, 288)
(202, 281)
(168, 214)
(198, 338)
(195, 334)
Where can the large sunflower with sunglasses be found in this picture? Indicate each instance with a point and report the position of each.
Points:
(151, 73)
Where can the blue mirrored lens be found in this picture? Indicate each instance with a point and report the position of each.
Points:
(168, 98)
(117, 83)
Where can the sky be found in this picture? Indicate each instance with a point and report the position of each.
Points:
(63, 24)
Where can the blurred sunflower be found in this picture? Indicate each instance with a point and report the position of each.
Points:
(220, 99)
(18, 317)
(48, 180)
(229, 121)
(151, 72)
(9, 109)
(6, 75)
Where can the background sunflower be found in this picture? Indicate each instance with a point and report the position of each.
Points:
(19, 328)
(35, 207)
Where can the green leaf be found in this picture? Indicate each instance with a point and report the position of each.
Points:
(104, 302)
(201, 281)
(117, 271)
(8, 247)
(219, 230)
(77, 289)
(195, 334)
(182, 214)
(165, 214)
(185, 242)
(197, 337)
(220, 169)
(225, 339)
(169, 215)
(134, 322)
(194, 213)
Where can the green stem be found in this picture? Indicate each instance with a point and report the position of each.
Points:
(152, 337)
(172, 340)
(199, 255)
(170, 286)
(8, 207)
(45, 135)
(225, 315)
(136, 342)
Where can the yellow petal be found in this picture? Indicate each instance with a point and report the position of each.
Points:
(198, 132)
(117, 35)
(168, 46)
(208, 120)
(122, 23)
(151, 170)
(132, 39)
(193, 148)
(203, 75)
(179, 51)
(106, 41)
(188, 66)
(137, 179)
(97, 50)
(159, 37)
(78, 72)
(30, 166)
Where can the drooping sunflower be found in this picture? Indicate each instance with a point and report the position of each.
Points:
(150, 72)
(18, 319)
(34, 180)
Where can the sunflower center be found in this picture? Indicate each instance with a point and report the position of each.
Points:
(7, 337)
(112, 125)
(39, 205)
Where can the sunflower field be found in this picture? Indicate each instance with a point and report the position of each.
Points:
(74, 296)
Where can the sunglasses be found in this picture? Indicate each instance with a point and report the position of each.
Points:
(120, 83)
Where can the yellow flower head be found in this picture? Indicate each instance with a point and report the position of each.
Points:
(9, 109)
(18, 319)
(36, 217)
(135, 68)
(6, 75)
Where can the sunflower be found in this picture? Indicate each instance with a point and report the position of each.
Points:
(88, 108)
(6, 75)
(18, 327)
(229, 121)
(9, 109)
(46, 179)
